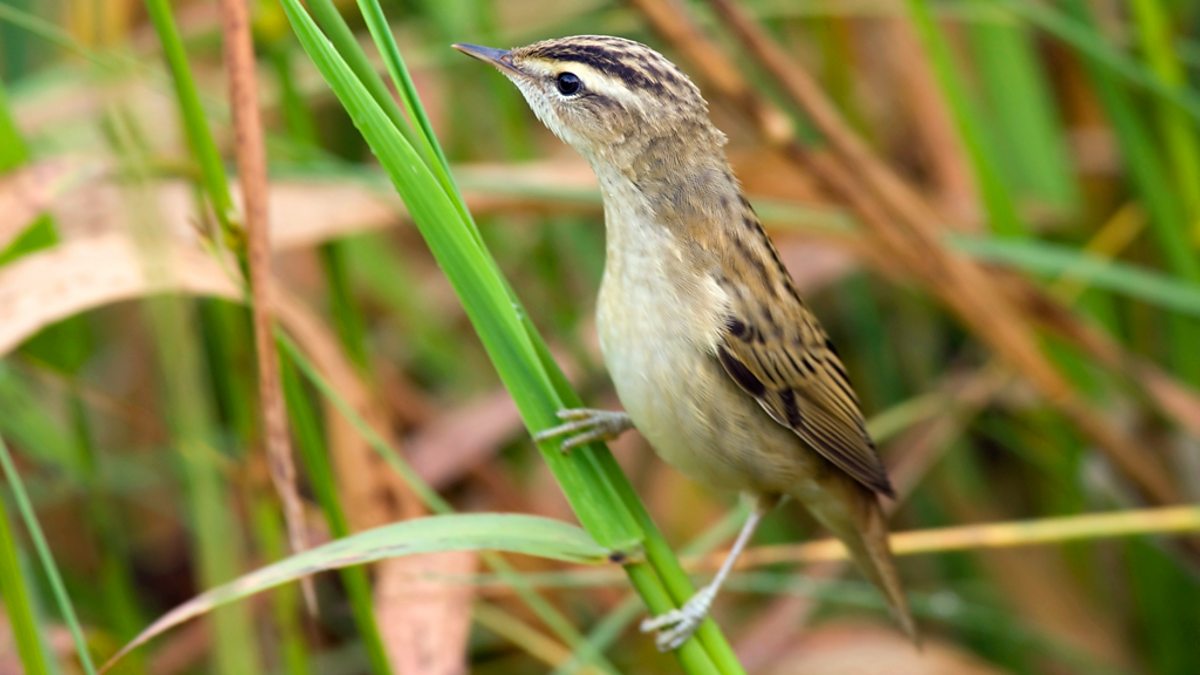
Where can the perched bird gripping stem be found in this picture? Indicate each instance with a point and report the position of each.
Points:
(719, 363)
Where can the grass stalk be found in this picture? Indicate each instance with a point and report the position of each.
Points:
(1177, 131)
(46, 557)
(252, 175)
(199, 137)
(1019, 105)
(1165, 520)
(997, 198)
(216, 533)
(18, 599)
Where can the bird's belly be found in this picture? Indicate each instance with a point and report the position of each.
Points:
(681, 400)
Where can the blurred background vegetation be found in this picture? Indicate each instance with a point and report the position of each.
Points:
(994, 206)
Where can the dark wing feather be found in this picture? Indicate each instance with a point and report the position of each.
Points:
(785, 361)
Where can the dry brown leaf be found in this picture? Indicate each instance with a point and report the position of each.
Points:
(100, 266)
(46, 287)
(929, 129)
(308, 213)
(101, 206)
(88, 273)
(425, 622)
(304, 213)
(28, 192)
(860, 648)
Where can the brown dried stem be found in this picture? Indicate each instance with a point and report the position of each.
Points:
(252, 175)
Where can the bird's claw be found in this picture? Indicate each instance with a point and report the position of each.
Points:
(676, 626)
(584, 425)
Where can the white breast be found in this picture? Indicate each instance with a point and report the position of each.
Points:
(659, 321)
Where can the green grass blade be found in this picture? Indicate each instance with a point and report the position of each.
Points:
(997, 199)
(46, 557)
(293, 653)
(1019, 105)
(394, 62)
(18, 602)
(199, 137)
(1166, 292)
(215, 532)
(321, 477)
(342, 38)
(1066, 25)
(512, 533)
(428, 144)
(1177, 131)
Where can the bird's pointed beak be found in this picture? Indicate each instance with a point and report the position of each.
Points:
(501, 58)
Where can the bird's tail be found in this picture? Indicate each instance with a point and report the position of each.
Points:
(856, 518)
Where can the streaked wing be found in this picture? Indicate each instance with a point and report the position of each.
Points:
(782, 357)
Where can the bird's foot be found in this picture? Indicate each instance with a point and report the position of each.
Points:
(677, 625)
(584, 425)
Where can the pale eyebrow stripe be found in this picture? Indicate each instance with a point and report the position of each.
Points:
(608, 61)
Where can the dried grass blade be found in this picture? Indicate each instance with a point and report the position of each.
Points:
(252, 174)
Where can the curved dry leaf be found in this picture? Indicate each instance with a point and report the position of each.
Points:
(85, 274)
(305, 213)
(49, 286)
(91, 272)
(28, 192)
(302, 213)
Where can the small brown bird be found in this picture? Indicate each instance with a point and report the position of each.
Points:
(719, 363)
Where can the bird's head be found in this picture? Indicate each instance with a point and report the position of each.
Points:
(603, 95)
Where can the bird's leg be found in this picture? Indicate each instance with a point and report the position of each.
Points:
(677, 625)
(584, 425)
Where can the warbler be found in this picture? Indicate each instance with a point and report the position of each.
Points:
(716, 359)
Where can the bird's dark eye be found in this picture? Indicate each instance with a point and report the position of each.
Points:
(568, 83)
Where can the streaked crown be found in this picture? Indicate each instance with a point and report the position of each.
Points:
(606, 96)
